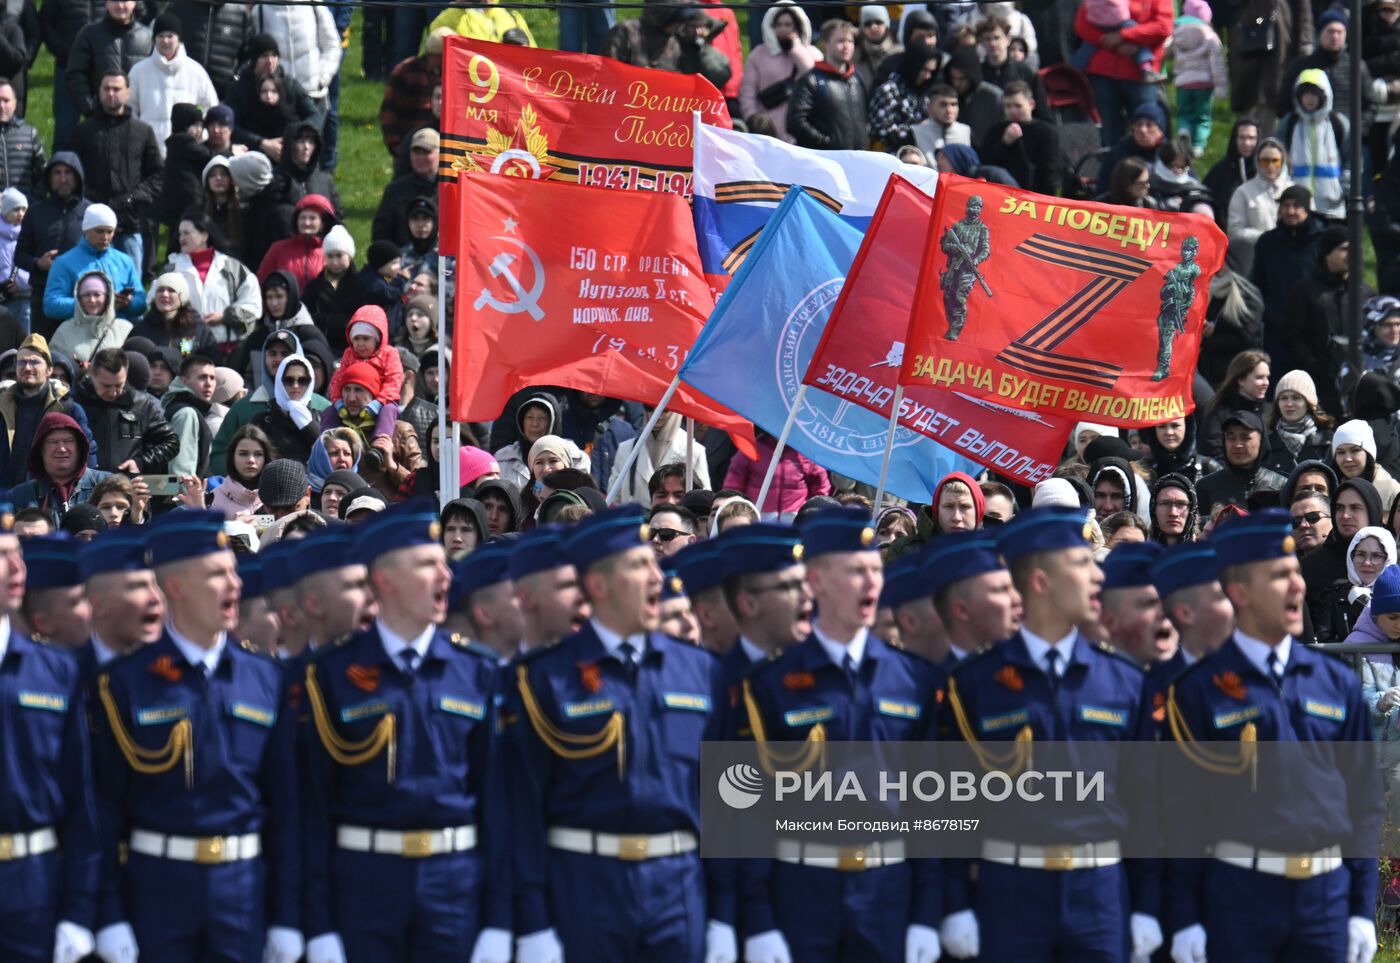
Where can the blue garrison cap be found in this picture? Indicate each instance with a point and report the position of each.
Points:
(1184, 565)
(672, 585)
(958, 555)
(185, 533)
(486, 566)
(120, 549)
(1258, 537)
(845, 529)
(904, 581)
(606, 533)
(1043, 530)
(405, 525)
(760, 547)
(538, 550)
(250, 573)
(701, 564)
(325, 548)
(277, 565)
(52, 562)
(1130, 565)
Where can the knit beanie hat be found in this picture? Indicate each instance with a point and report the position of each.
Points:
(425, 303)
(12, 199)
(227, 384)
(1331, 15)
(358, 328)
(261, 43)
(875, 13)
(99, 215)
(183, 116)
(1300, 382)
(381, 252)
(1055, 493)
(473, 463)
(1385, 592)
(1299, 195)
(1330, 239)
(1197, 8)
(360, 373)
(167, 22)
(138, 370)
(175, 282)
(251, 172)
(338, 239)
(1355, 432)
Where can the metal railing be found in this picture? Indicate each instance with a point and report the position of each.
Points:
(1353, 651)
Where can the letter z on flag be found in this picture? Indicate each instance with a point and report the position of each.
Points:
(860, 354)
(577, 287)
(755, 349)
(1087, 311)
(550, 115)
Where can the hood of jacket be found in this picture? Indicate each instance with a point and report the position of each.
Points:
(51, 422)
(1369, 497)
(1377, 397)
(279, 391)
(507, 491)
(1302, 468)
(1165, 462)
(917, 20)
(555, 418)
(962, 158)
(91, 324)
(918, 53)
(804, 25)
(68, 159)
(1188, 488)
(474, 511)
(319, 203)
(317, 350)
(293, 298)
(1317, 77)
(979, 501)
(294, 130)
(966, 60)
(1121, 472)
(429, 358)
(373, 315)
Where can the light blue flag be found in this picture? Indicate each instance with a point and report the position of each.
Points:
(753, 352)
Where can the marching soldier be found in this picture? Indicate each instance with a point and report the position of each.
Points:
(817, 902)
(483, 599)
(280, 589)
(128, 610)
(677, 617)
(910, 602)
(55, 608)
(1255, 896)
(701, 567)
(972, 591)
(546, 587)
(1131, 612)
(257, 621)
(332, 587)
(967, 243)
(48, 849)
(605, 796)
(404, 809)
(196, 774)
(1048, 683)
(1185, 577)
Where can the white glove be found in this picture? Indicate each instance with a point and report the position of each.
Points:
(71, 942)
(492, 946)
(284, 945)
(960, 935)
(299, 412)
(1147, 934)
(541, 947)
(117, 943)
(1361, 939)
(921, 944)
(1189, 945)
(325, 948)
(769, 947)
(1390, 698)
(721, 946)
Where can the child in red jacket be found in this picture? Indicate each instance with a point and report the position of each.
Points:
(368, 336)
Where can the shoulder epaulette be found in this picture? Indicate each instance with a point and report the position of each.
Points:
(1107, 649)
(976, 655)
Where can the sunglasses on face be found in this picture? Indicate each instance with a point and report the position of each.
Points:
(1309, 518)
(292, 382)
(1271, 162)
(666, 534)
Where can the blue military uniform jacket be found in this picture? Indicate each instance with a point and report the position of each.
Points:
(441, 752)
(996, 693)
(239, 775)
(1334, 799)
(895, 699)
(45, 782)
(643, 775)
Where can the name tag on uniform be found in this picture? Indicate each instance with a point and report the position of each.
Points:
(900, 710)
(1224, 720)
(52, 701)
(462, 707)
(1103, 717)
(1325, 710)
(363, 710)
(254, 714)
(159, 715)
(588, 707)
(693, 701)
(1006, 720)
(809, 717)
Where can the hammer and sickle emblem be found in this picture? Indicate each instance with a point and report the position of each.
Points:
(526, 302)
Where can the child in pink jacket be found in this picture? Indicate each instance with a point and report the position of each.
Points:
(367, 333)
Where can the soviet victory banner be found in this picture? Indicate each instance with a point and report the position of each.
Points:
(1088, 311)
(551, 115)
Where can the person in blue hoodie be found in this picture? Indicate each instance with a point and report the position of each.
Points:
(94, 253)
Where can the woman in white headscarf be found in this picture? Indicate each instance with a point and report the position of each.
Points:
(289, 422)
(1336, 614)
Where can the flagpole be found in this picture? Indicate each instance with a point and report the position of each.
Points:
(689, 454)
(797, 401)
(640, 440)
(445, 490)
(889, 445)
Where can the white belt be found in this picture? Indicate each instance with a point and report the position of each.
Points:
(1054, 858)
(410, 844)
(848, 859)
(1289, 865)
(204, 849)
(21, 845)
(626, 847)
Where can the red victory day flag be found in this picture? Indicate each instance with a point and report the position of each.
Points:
(1087, 311)
(863, 347)
(550, 115)
(577, 287)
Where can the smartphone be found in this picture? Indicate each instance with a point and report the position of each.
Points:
(162, 485)
(261, 522)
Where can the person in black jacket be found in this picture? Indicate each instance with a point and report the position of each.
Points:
(1244, 388)
(1234, 323)
(52, 226)
(1383, 221)
(185, 158)
(21, 146)
(132, 434)
(214, 32)
(1299, 431)
(1028, 148)
(1232, 170)
(1314, 319)
(827, 108)
(1282, 256)
(1173, 448)
(1246, 453)
(299, 173)
(1000, 69)
(15, 54)
(1376, 400)
(391, 218)
(115, 42)
(59, 23)
(258, 124)
(1355, 505)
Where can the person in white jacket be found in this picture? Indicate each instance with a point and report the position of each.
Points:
(664, 446)
(308, 42)
(1254, 205)
(168, 77)
(228, 296)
